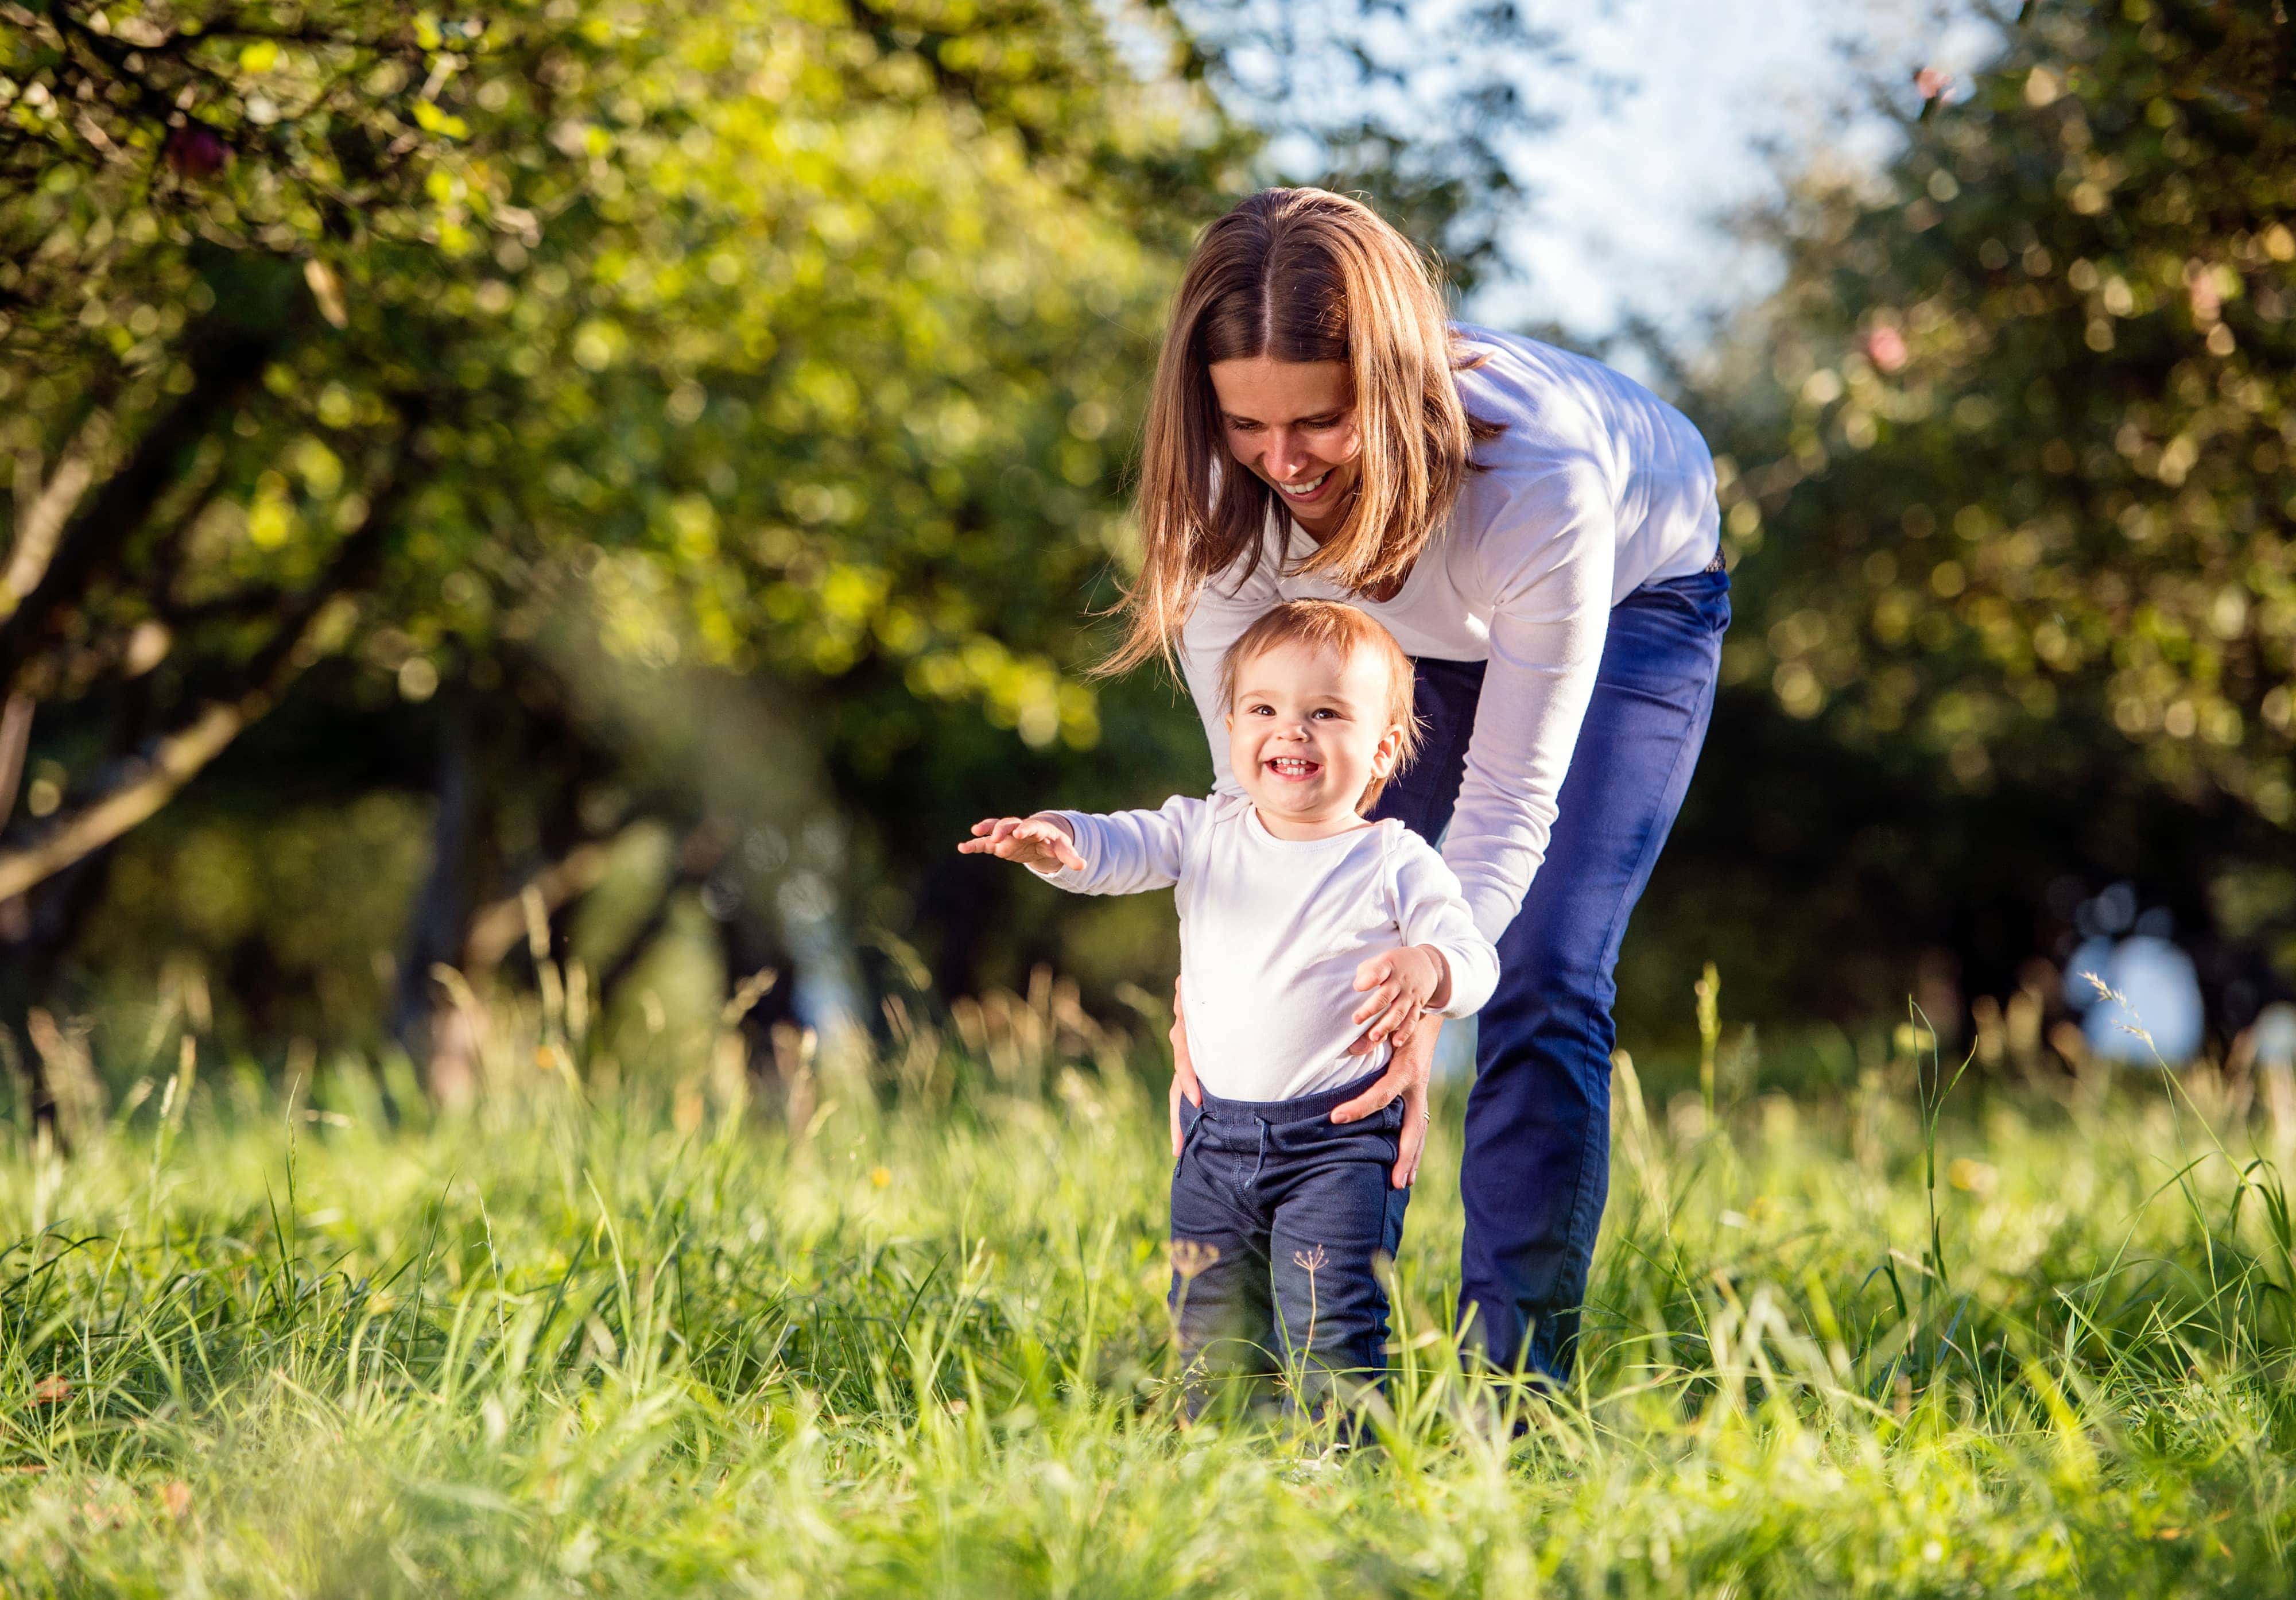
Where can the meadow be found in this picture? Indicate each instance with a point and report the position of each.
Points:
(895, 1327)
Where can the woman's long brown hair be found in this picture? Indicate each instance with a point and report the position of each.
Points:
(1299, 274)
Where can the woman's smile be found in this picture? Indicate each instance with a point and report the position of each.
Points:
(1311, 490)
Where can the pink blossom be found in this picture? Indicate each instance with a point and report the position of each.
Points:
(196, 150)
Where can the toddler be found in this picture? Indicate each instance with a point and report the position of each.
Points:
(1303, 928)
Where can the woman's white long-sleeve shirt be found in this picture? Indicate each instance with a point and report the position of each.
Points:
(1272, 930)
(1596, 488)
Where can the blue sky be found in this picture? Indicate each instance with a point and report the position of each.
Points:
(1633, 195)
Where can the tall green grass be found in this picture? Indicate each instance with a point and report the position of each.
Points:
(898, 1327)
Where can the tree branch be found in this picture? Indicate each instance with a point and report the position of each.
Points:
(40, 518)
(496, 928)
(100, 530)
(149, 783)
(15, 735)
(173, 762)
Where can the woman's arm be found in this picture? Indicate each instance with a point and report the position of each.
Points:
(1546, 558)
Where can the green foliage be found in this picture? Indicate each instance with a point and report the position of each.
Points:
(786, 311)
(870, 1338)
(2010, 492)
(473, 356)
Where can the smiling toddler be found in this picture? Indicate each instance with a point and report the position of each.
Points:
(1304, 929)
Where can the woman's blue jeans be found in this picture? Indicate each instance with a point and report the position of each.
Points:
(1537, 1166)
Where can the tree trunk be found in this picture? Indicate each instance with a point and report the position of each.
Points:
(461, 850)
(46, 924)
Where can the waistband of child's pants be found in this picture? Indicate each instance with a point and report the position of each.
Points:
(1316, 1106)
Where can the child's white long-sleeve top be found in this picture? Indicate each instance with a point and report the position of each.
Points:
(1272, 930)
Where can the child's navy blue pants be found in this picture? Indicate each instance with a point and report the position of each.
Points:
(1280, 1218)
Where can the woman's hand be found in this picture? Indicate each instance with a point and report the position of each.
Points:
(1184, 1071)
(1040, 840)
(1407, 1074)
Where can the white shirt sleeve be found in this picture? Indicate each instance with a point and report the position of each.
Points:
(1128, 852)
(1432, 911)
(1221, 614)
(1548, 556)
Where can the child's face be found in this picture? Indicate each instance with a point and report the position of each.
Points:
(1308, 730)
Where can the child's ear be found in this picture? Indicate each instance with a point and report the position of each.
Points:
(1391, 748)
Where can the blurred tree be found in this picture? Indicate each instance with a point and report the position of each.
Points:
(761, 338)
(2008, 487)
(601, 416)
(1423, 110)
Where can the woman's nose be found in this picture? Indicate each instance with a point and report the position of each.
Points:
(1284, 459)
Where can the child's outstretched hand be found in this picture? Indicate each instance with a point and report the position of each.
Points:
(1403, 983)
(1031, 840)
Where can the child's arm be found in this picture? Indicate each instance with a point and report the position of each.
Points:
(1444, 964)
(1124, 852)
(1433, 910)
(1043, 843)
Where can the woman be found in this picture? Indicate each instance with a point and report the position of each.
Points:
(1541, 535)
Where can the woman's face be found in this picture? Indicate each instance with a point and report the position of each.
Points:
(1293, 423)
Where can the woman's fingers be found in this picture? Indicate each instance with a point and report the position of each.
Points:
(1392, 1083)
(1184, 1071)
(1413, 1140)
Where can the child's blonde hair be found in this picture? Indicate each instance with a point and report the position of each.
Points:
(1343, 630)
